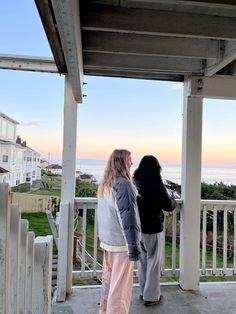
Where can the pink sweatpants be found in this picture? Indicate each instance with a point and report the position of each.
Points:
(117, 283)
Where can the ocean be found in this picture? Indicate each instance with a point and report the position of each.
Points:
(210, 174)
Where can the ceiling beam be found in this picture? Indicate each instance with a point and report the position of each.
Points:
(141, 63)
(28, 63)
(48, 19)
(67, 17)
(222, 8)
(217, 86)
(227, 55)
(155, 22)
(135, 75)
(231, 69)
(139, 44)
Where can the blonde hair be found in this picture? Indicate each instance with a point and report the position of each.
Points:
(117, 166)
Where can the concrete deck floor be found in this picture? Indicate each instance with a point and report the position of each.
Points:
(212, 298)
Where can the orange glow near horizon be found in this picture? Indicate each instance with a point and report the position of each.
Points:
(166, 153)
(166, 148)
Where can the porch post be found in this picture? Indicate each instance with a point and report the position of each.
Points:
(68, 190)
(191, 190)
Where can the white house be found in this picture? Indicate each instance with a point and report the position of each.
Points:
(54, 169)
(88, 178)
(44, 163)
(20, 163)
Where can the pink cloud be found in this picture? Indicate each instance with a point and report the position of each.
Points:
(30, 123)
(178, 85)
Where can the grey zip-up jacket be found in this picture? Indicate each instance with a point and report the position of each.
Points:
(118, 220)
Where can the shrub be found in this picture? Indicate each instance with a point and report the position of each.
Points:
(21, 188)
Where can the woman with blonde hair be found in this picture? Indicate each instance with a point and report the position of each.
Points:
(119, 233)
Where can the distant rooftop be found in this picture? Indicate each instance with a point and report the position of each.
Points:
(54, 166)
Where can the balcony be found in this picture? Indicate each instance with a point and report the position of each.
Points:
(217, 261)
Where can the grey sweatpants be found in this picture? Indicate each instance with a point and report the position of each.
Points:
(150, 266)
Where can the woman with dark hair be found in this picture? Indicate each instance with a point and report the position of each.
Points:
(152, 199)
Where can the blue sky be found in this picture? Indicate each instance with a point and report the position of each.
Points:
(143, 116)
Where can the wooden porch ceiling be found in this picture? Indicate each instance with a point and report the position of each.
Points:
(148, 39)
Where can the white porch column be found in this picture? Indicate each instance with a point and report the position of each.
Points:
(68, 182)
(191, 190)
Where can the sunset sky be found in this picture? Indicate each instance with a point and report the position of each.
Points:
(142, 116)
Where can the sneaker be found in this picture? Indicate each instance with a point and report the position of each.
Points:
(151, 303)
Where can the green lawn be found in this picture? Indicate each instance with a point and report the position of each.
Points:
(47, 192)
(38, 223)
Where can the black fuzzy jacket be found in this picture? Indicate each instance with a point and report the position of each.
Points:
(153, 198)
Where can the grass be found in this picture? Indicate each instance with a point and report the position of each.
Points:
(54, 184)
(47, 192)
(38, 223)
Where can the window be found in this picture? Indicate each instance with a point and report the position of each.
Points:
(4, 154)
(7, 129)
(10, 131)
(28, 177)
(13, 154)
(4, 128)
(19, 156)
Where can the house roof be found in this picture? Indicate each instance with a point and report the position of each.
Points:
(2, 170)
(3, 115)
(148, 39)
(86, 176)
(54, 166)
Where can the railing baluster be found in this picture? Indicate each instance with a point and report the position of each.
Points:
(174, 223)
(214, 255)
(225, 239)
(204, 229)
(84, 224)
(95, 242)
(163, 239)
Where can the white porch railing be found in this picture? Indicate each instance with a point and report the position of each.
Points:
(90, 256)
(25, 263)
(217, 259)
(218, 245)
